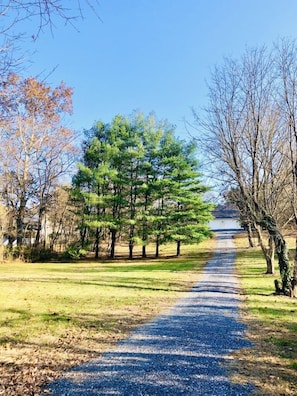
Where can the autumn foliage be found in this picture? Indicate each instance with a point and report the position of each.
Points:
(36, 148)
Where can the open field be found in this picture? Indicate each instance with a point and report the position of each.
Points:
(272, 326)
(57, 315)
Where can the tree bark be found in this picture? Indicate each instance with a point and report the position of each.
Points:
(294, 278)
(83, 233)
(97, 243)
(112, 244)
(178, 245)
(39, 226)
(284, 264)
(131, 242)
(20, 231)
(143, 251)
(157, 246)
(270, 257)
(20, 222)
(250, 235)
(267, 252)
(282, 253)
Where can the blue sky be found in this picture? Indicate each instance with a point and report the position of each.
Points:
(154, 55)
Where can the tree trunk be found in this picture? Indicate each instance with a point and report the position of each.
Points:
(20, 222)
(143, 251)
(20, 230)
(56, 234)
(282, 254)
(38, 233)
(131, 242)
(178, 245)
(267, 252)
(112, 244)
(250, 235)
(83, 234)
(284, 264)
(270, 257)
(144, 238)
(39, 226)
(131, 245)
(97, 243)
(294, 277)
(157, 246)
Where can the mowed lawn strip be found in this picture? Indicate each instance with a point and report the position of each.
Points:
(272, 326)
(57, 315)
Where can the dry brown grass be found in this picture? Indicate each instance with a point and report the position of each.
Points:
(263, 365)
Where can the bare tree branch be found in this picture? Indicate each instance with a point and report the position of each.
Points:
(45, 11)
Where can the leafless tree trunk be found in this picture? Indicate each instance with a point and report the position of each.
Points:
(268, 252)
(286, 54)
(4, 229)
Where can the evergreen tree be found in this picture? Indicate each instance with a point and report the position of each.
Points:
(189, 215)
(138, 181)
(93, 180)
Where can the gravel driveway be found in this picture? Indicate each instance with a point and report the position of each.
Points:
(181, 352)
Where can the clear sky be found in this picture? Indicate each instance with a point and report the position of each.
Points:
(154, 55)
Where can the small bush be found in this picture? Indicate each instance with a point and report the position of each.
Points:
(75, 253)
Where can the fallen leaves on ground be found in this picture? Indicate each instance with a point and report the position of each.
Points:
(25, 369)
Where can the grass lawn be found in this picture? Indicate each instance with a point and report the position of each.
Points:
(272, 326)
(57, 315)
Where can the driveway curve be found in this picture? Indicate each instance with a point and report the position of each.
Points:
(182, 352)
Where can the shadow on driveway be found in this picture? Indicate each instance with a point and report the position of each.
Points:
(182, 352)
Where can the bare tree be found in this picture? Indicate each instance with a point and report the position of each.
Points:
(243, 135)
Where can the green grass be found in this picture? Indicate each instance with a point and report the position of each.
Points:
(32, 295)
(55, 315)
(77, 293)
(272, 320)
(259, 289)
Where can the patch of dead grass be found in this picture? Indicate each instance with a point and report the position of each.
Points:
(262, 365)
(27, 366)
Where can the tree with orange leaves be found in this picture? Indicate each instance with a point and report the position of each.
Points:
(36, 149)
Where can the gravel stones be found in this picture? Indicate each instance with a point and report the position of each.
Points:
(182, 352)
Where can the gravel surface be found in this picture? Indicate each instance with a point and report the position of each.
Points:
(181, 352)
